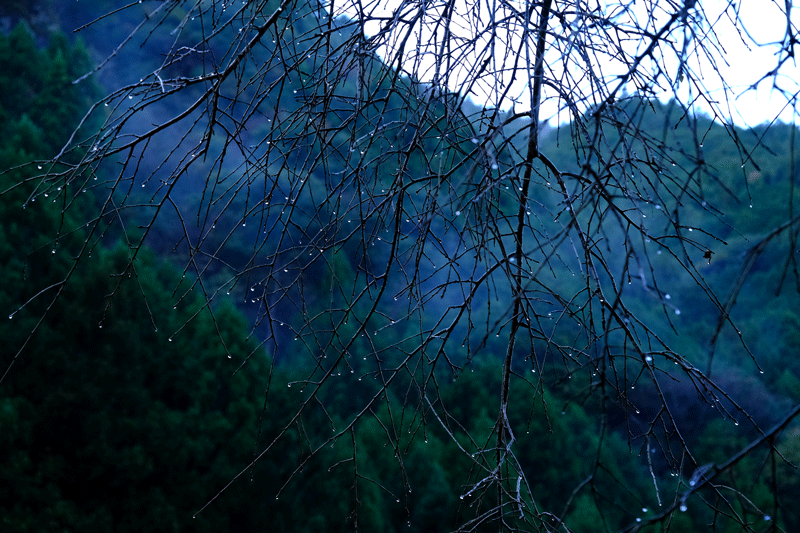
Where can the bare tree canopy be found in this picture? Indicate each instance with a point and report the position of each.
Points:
(398, 194)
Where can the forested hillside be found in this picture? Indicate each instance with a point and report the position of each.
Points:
(290, 330)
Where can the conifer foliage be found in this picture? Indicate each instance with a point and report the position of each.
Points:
(533, 315)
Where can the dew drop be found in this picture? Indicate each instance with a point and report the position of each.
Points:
(683, 508)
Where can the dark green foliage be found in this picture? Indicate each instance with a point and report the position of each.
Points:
(123, 413)
(22, 71)
(38, 90)
(123, 430)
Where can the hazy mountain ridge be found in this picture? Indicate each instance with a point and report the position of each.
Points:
(744, 188)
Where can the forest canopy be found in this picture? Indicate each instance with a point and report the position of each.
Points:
(261, 272)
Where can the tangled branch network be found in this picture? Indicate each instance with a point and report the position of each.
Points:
(398, 193)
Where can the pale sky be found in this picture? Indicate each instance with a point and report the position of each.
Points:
(742, 53)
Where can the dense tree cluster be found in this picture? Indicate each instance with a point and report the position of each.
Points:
(110, 424)
(276, 283)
